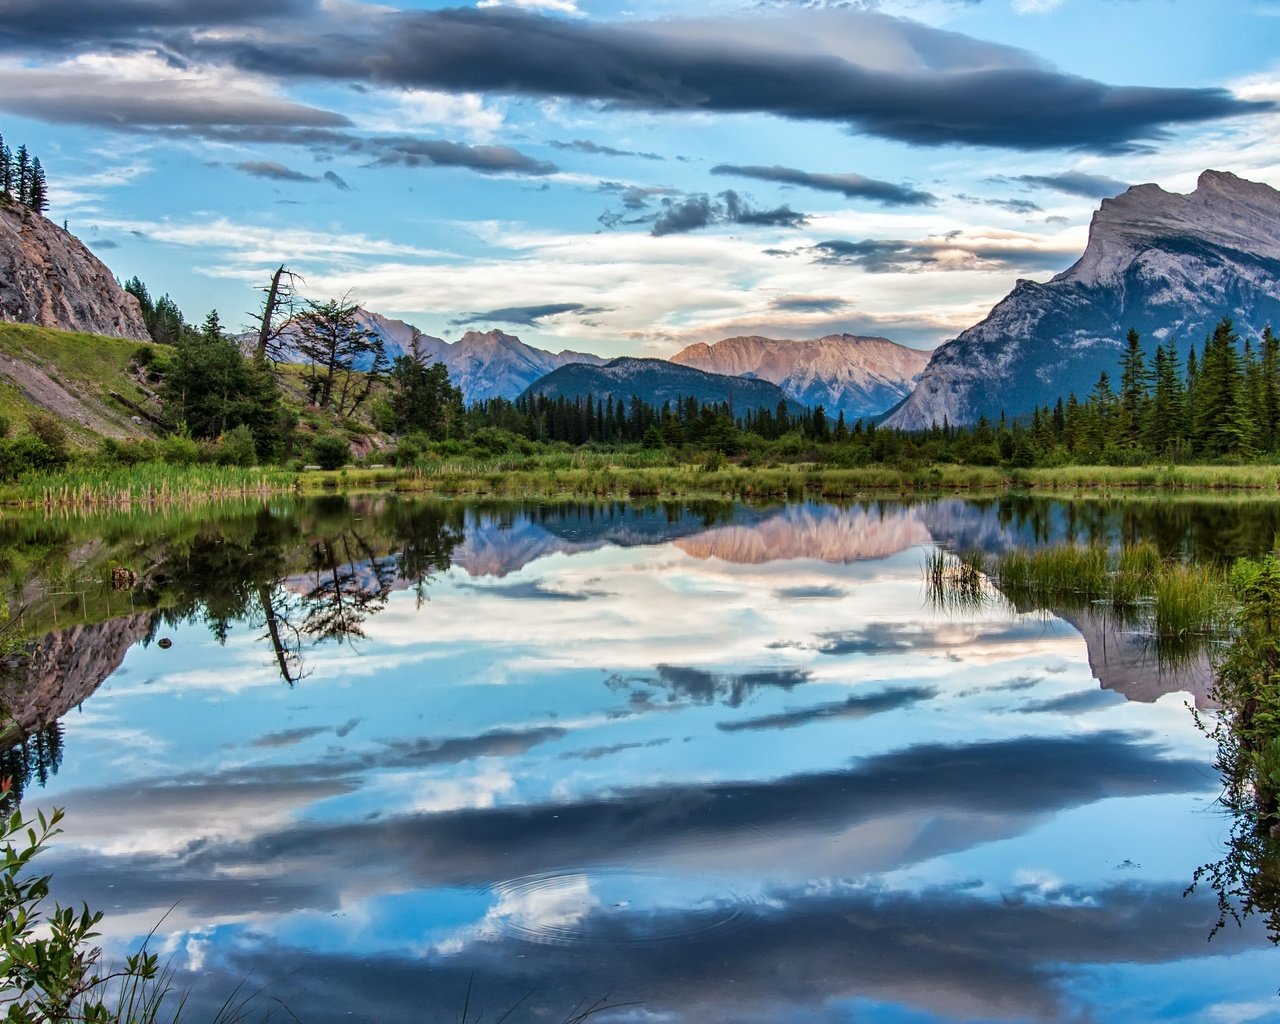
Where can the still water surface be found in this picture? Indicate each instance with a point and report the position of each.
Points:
(720, 763)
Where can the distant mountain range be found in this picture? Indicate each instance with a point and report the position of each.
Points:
(657, 381)
(861, 377)
(484, 366)
(1168, 265)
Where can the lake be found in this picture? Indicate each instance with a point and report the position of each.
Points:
(386, 760)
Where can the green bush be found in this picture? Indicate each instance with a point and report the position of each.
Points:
(29, 454)
(49, 429)
(236, 448)
(179, 450)
(330, 451)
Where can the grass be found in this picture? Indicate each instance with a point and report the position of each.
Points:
(1177, 604)
(85, 365)
(146, 484)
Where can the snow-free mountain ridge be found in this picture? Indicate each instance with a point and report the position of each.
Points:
(846, 373)
(1168, 265)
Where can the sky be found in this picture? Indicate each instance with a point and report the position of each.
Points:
(622, 178)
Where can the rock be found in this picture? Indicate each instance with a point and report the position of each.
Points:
(861, 377)
(1168, 265)
(48, 277)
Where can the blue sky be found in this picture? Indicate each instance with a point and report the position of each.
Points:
(620, 178)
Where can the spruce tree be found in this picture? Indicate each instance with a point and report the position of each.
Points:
(1269, 424)
(38, 193)
(22, 176)
(1134, 382)
(6, 171)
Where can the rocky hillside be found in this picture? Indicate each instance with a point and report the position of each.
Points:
(656, 381)
(498, 365)
(841, 372)
(1168, 265)
(49, 278)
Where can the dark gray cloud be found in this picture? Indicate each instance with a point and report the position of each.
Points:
(856, 706)
(635, 197)
(1023, 206)
(273, 171)
(853, 186)
(691, 213)
(527, 316)
(333, 178)
(103, 243)
(32, 22)
(595, 149)
(942, 953)
(1070, 703)
(1076, 183)
(405, 151)
(809, 304)
(947, 89)
(952, 251)
(704, 686)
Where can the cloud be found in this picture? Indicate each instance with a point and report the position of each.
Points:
(809, 304)
(336, 180)
(406, 151)
(142, 91)
(1076, 183)
(700, 211)
(953, 251)
(1022, 206)
(528, 316)
(594, 148)
(936, 87)
(635, 197)
(273, 171)
(852, 186)
(854, 707)
(103, 243)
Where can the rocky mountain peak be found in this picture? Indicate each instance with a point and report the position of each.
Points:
(49, 277)
(1164, 264)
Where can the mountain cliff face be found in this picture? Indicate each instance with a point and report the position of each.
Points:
(1167, 265)
(841, 372)
(48, 277)
(656, 381)
(498, 365)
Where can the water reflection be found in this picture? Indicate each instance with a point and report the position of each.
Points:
(724, 762)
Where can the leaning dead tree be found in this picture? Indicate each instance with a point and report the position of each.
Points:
(278, 309)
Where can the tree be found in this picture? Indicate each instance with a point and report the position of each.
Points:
(1134, 381)
(335, 343)
(424, 399)
(37, 192)
(211, 388)
(22, 175)
(6, 171)
(278, 308)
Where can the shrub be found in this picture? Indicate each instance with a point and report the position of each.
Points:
(49, 429)
(179, 450)
(330, 451)
(236, 448)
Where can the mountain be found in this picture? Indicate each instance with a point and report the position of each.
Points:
(841, 372)
(498, 365)
(657, 381)
(1168, 265)
(484, 366)
(49, 278)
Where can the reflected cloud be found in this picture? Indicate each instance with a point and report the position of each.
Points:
(851, 708)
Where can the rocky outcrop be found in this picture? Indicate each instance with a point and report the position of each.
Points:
(42, 683)
(48, 277)
(861, 377)
(1168, 265)
(500, 365)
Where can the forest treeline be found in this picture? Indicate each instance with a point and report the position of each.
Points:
(22, 178)
(311, 385)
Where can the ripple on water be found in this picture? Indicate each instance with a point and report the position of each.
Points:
(615, 907)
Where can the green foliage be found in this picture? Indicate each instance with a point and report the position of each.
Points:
(49, 968)
(333, 343)
(330, 451)
(50, 430)
(423, 399)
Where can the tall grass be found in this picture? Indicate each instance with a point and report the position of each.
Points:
(146, 484)
(1178, 605)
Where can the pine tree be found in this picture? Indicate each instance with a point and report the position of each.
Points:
(38, 192)
(1165, 427)
(1134, 383)
(6, 171)
(22, 176)
(1269, 424)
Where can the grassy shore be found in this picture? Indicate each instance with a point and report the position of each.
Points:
(600, 476)
(590, 475)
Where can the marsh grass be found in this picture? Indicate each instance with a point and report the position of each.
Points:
(1178, 606)
(149, 485)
